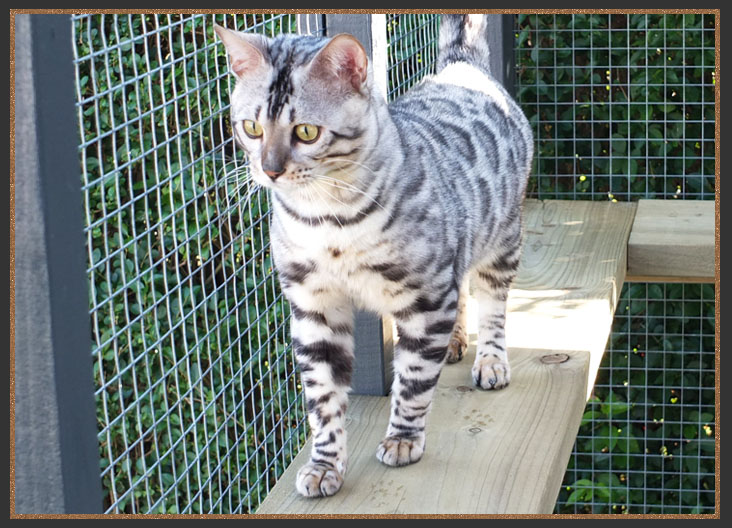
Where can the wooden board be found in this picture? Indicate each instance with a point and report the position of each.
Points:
(505, 451)
(482, 454)
(672, 240)
(572, 271)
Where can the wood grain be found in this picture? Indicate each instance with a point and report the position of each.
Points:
(503, 451)
(572, 271)
(672, 240)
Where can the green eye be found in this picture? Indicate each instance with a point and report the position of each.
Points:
(252, 128)
(307, 133)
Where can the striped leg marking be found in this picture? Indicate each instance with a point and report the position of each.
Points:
(323, 344)
(458, 345)
(420, 354)
(491, 369)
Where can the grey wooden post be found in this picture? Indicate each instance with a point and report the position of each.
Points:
(500, 42)
(56, 448)
(372, 373)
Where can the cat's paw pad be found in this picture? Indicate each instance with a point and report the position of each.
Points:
(318, 480)
(458, 347)
(490, 372)
(396, 451)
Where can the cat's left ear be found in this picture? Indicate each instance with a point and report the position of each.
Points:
(343, 61)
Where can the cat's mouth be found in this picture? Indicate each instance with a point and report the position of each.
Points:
(288, 179)
(305, 182)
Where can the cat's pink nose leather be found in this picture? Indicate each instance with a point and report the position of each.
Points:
(274, 174)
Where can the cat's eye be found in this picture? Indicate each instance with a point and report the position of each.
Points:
(307, 133)
(253, 129)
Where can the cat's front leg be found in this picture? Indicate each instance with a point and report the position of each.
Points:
(322, 336)
(424, 334)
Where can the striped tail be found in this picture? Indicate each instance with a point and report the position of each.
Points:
(463, 38)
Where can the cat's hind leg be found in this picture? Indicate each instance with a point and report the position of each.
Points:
(458, 345)
(491, 281)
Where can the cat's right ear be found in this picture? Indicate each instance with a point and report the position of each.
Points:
(246, 51)
(343, 62)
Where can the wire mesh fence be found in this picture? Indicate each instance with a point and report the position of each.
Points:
(623, 107)
(412, 50)
(646, 443)
(197, 399)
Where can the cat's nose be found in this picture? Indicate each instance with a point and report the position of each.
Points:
(275, 157)
(274, 174)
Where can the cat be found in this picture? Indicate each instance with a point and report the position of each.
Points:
(387, 207)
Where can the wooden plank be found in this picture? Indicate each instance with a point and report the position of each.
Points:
(572, 271)
(482, 455)
(672, 240)
(504, 451)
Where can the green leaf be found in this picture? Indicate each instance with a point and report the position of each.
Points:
(590, 416)
(614, 405)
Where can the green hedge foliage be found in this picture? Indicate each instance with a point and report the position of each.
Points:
(622, 105)
(197, 402)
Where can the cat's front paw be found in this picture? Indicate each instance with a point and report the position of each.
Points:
(491, 372)
(318, 480)
(398, 451)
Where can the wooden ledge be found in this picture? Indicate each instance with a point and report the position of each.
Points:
(672, 241)
(504, 451)
(571, 275)
(486, 452)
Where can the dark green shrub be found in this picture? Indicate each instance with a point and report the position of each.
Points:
(622, 105)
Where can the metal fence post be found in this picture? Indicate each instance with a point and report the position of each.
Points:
(374, 344)
(56, 448)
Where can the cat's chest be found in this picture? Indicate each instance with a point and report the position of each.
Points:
(340, 250)
(343, 257)
(361, 270)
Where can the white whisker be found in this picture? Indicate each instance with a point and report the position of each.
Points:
(235, 175)
(311, 198)
(340, 184)
(317, 190)
(334, 160)
(251, 190)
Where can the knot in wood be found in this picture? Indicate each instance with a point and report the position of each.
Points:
(550, 359)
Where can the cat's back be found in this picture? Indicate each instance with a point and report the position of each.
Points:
(463, 119)
(459, 87)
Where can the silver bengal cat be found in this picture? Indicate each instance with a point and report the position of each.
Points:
(388, 207)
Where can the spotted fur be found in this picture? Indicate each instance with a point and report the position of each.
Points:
(391, 209)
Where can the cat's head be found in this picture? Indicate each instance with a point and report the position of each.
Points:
(300, 107)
